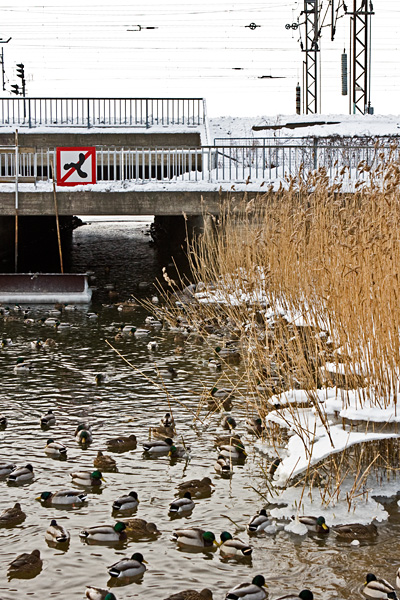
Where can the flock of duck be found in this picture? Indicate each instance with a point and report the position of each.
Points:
(230, 450)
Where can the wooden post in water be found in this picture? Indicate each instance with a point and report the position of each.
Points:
(56, 211)
(16, 202)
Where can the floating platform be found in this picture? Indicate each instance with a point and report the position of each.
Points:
(44, 288)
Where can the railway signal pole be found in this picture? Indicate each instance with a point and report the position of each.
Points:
(361, 56)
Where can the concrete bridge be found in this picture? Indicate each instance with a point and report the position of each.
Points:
(154, 156)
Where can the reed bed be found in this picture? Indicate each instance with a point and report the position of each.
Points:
(304, 282)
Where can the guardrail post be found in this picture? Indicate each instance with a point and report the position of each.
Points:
(29, 113)
(315, 153)
(147, 113)
(88, 113)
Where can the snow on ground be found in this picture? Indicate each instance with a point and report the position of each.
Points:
(342, 125)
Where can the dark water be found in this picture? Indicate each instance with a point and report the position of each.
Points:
(131, 400)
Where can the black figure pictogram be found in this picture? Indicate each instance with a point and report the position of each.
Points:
(77, 166)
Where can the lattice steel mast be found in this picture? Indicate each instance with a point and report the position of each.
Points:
(312, 35)
(361, 56)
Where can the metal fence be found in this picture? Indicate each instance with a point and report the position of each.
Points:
(101, 112)
(211, 163)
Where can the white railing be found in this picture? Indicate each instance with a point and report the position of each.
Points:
(101, 112)
(210, 163)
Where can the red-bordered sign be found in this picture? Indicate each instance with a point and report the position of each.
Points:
(76, 166)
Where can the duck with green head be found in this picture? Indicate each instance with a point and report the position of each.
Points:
(95, 593)
(105, 533)
(234, 547)
(303, 595)
(92, 479)
(62, 498)
(194, 536)
(315, 524)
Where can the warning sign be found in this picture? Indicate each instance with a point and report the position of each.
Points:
(76, 166)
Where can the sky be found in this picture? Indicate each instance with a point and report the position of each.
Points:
(202, 48)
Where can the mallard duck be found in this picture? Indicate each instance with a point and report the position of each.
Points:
(128, 567)
(162, 432)
(205, 594)
(216, 365)
(179, 451)
(22, 474)
(259, 522)
(94, 593)
(56, 449)
(194, 536)
(182, 505)
(220, 399)
(228, 422)
(87, 479)
(140, 528)
(103, 462)
(274, 465)
(6, 468)
(83, 435)
(378, 588)
(26, 564)
(228, 354)
(303, 595)
(152, 346)
(122, 443)
(6, 342)
(315, 524)
(231, 546)
(235, 451)
(249, 591)
(227, 440)
(129, 502)
(197, 487)
(398, 578)
(100, 378)
(21, 366)
(51, 322)
(158, 446)
(63, 326)
(50, 343)
(3, 422)
(62, 497)
(12, 516)
(355, 530)
(167, 421)
(48, 420)
(255, 425)
(36, 344)
(82, 426)
(141, 332)
(57, 533)
(105, 533)
(223, 465)
(92, 316)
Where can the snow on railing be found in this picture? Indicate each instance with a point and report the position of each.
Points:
(212, 163)
(101, 112)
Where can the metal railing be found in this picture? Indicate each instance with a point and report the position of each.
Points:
(101, 112)
(211, 163)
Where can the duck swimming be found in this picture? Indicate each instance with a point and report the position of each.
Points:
(182, 505)
(57, 533)
(140, 528)
(315, 524)
(158, 447)
(128, 567)
(62, 497)
(194, 536)
(105, 533)
(87, 478)
(197, 487)
(122, 443)
(12, 516)
(259, 522)
(48, 420)
(249, 591)
(231, 546)
(103, 462)
(128, 502)
(55, 449)
(205, 594)
(378, 588)
(26, 564)
(94, 593)
(22, 474)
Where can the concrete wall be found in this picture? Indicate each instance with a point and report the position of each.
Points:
(85, 137)
(164, 202)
